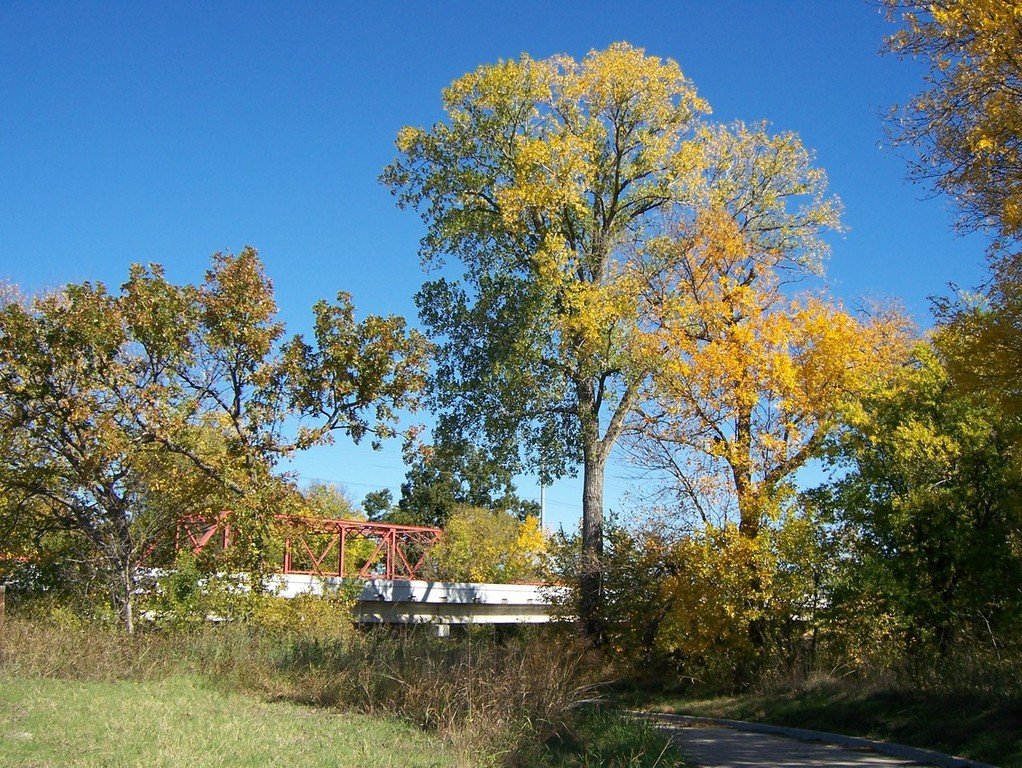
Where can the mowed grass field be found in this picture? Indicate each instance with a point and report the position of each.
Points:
(184, 722)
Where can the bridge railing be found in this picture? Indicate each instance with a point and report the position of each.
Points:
(327, 547)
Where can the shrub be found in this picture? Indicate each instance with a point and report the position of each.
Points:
(488, 546)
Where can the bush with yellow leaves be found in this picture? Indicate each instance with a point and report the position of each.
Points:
(482, 545)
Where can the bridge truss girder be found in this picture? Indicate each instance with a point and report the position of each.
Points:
(321, 547)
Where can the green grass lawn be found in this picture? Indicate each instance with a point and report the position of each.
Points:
(183, 722)
(988, 729)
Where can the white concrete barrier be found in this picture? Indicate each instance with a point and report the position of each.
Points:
(392, 601)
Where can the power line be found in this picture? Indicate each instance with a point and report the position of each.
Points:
(568, 504)
(346, 482)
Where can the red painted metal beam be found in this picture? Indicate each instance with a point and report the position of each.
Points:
(320, 543)
(196, 532)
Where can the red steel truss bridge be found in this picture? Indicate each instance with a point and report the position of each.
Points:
(327, 547)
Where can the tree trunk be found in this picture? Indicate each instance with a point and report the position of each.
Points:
(120, 582)
(591, 576)
(749, 517)
(116, 543)
(741, 470)
(128, 610)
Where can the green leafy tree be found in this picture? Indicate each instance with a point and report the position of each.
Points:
(379, 505)
(329, 501)
(107, 401)
(549, 180)
(448, 475)
(635, 567)
(931, 504)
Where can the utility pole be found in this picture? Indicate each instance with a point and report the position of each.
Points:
(542, 505)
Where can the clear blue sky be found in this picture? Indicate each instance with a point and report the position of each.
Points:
(136, 132)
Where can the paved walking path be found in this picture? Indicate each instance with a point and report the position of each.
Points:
(734, 744)
(717, 747)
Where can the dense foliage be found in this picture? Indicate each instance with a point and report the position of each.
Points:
(445, 476)
(485, 545)
(911, 553)
(931, 503)
(121, 412)
(562, 187)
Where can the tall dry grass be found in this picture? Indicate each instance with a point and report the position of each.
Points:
(504, 699)
(82, 652)
(508, 697)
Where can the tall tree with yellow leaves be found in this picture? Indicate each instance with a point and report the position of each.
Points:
(966, 125)
(550, 181)
(967, 128)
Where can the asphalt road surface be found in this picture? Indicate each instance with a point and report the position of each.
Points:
(718, 747)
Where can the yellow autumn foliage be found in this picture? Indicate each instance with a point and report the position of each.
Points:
(573, 192)
(481, 545)
(967, 123)
(750, 379)
(720, 588)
